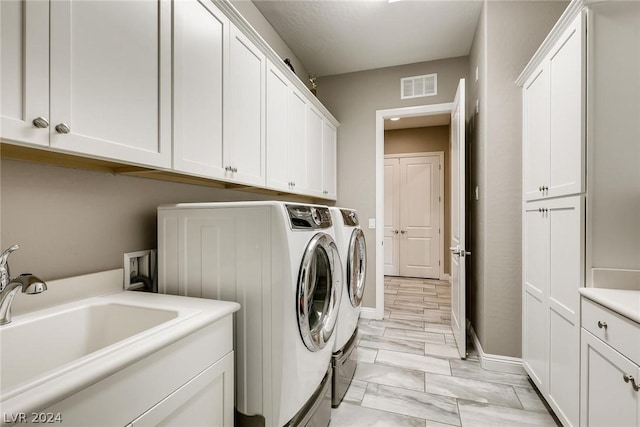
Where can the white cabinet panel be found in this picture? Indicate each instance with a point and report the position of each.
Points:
(205, 400)
(24, 71)
(199, 48)
(535, 125)
(110, 97)
(566, 169)
(314, 154)
(244, 111)
(277, 129)
(329, 159)
(298, 144)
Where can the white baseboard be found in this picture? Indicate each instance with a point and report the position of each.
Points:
(368, 313)
(496, 362)
(446, 277)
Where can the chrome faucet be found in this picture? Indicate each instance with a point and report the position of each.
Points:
(26, 283)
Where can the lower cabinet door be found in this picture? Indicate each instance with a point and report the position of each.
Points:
(606, 398)
(205, 400)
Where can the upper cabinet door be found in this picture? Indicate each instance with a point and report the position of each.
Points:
(277, 129)
(200, 43)
(566, 77)
(298, 146)
(24, 71)
(314, 153)
(244, 111)
(329, 161)
(110, 79)
(536, 134)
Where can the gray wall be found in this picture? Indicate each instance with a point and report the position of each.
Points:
(425, 140)
(508, 35)
(353, 99)
(71, 221)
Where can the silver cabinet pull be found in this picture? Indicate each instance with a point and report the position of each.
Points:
(540, 188)
(41, 122)
(602, 325)
(63, 128)
(234, 170)
(325, 192)
(227, 168)
(629, 378)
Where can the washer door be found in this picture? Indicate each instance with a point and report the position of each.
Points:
(319, 291)
(356, 267)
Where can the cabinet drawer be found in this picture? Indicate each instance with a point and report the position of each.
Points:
(619, 332)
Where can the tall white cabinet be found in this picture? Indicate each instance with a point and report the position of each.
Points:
(573, 187)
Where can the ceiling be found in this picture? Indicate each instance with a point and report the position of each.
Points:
(335, 37)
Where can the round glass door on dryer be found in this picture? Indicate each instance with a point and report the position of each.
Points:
(356, 267)
(319, 291)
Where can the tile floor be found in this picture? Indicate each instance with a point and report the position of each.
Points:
(409, 372)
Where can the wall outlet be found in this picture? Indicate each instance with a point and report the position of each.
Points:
(137, 264)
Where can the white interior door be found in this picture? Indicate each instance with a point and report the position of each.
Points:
(391, 216)
(420, 217)
(458, 249)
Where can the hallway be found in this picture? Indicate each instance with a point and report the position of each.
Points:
(409, 372)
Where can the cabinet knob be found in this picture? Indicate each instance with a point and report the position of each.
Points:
(234, 170)
(540, 188)
(41, 122)
(63, 128)
(602, 325)
(629, 378)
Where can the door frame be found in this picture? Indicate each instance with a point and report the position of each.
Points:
(381, 115)
(441, 241)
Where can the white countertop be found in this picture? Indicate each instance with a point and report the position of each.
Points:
(623, 302)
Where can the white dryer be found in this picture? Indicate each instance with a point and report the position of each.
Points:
(281, 263)
(353, 253)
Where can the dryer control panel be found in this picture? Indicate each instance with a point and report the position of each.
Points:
(350, 217)
(308, 217)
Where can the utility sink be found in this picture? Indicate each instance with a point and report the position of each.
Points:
(53, 353)
(34, 347)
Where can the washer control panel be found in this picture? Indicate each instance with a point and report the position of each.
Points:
(308, 217)
(350, 217)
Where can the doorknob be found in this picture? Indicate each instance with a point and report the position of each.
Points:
(403, 231)
(455, 250)
(395, 231)
(464, 253)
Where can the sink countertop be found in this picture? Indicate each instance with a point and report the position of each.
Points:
(623, 302)
(47, 389)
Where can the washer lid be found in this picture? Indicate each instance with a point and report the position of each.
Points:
(319, 291)
(356, 267)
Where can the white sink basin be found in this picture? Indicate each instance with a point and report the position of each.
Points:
(50, 354)
(45, 343)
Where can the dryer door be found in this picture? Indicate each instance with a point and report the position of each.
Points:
(356, 267)
(319, 291)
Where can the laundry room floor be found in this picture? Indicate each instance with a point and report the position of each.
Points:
(409, 372)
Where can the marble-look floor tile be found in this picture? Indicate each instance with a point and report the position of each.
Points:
(441, 350)
(396, 315)
(355, 393)
(530, 399)
(412, 403)
(414, 361)
(472, 369)
(364, 354)
(369, 330)
(390, 375)
(473, 414)
(430, 337)
(383, 343)
(349, 415)
(416, 325)
(437, 327)
(467, 389)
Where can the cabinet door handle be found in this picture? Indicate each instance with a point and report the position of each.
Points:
(41, 122)
(63, 128)
(602, 325)
(234, 170)
(540, 188)
(629, 378)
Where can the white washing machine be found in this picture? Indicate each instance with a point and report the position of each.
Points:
(281, 263)
(353, 253)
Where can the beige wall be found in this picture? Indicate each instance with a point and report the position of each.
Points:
(353, 99)
(507, 36)
(71, 221)
(426, 140)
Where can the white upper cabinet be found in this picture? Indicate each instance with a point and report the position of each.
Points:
(277, 129)
(24, 71)
(554, 154)
(110, 79)
(244, 111)
(329, 136)
(314, 153)
(298, 144)
(200, 38)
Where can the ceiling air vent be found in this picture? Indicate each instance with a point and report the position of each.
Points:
(417, 86)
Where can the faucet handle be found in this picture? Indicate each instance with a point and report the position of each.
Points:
(5, 277)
